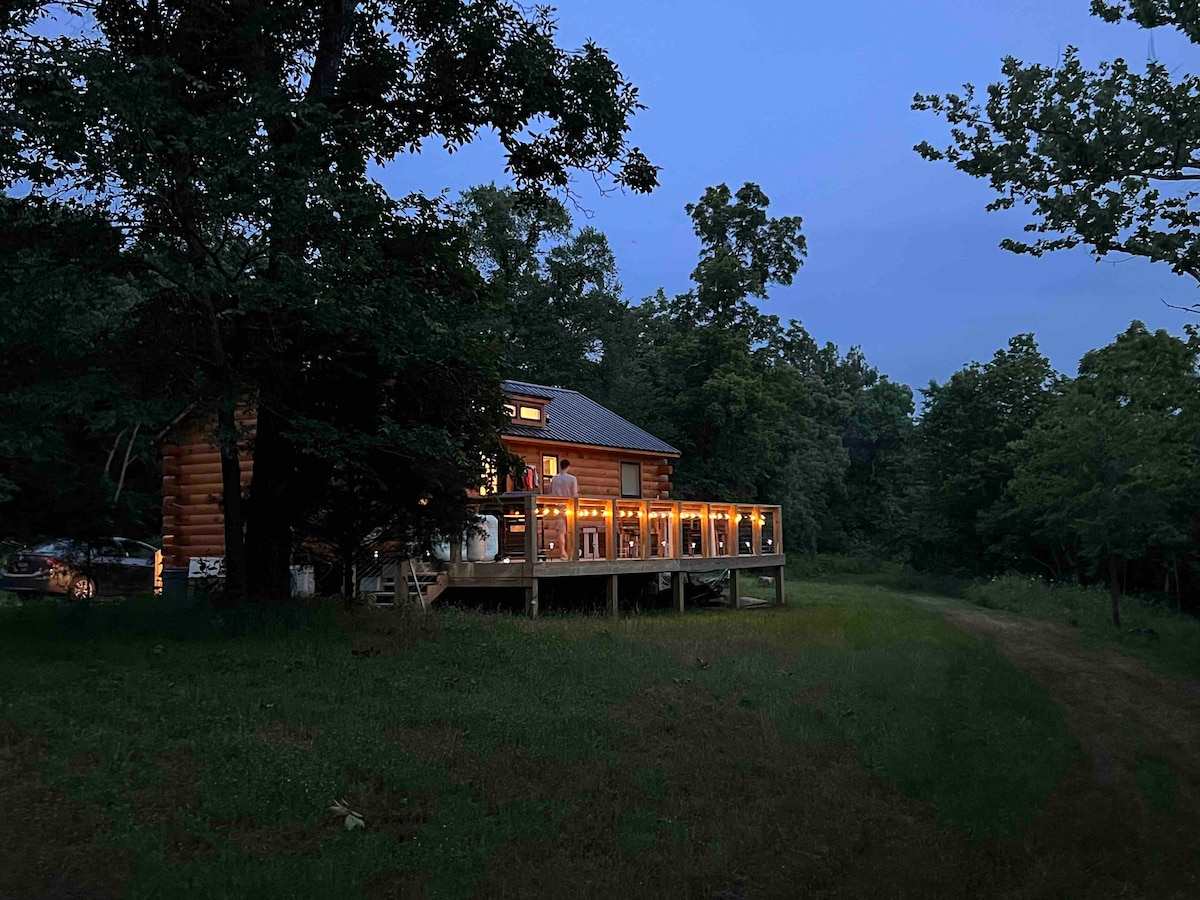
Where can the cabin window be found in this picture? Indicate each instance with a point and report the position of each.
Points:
(530, 413)
(631, 479)
(510, 410)
(549, 466)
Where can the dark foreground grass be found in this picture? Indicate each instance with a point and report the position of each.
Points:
(823, 748)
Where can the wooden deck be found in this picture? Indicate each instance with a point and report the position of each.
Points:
(559, 537)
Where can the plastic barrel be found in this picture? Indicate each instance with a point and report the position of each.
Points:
(175, 583)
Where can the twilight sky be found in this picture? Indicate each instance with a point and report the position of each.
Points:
(811, 101)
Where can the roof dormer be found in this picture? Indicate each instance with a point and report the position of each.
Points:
(527, 410)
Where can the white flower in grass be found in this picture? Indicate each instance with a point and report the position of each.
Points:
(350, 818)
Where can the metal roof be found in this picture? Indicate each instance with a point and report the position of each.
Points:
(572, 418)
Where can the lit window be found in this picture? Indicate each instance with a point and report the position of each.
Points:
(510, 410)
(549, 466)
(531, 413)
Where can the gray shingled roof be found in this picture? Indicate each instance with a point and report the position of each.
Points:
(574, 419)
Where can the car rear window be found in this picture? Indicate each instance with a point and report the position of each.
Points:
(51, 548)
(138, 551)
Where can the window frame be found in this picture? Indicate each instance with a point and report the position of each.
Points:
(638, 465)
(545, 474)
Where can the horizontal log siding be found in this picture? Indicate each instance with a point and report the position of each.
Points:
(193, 523)
(599, 471)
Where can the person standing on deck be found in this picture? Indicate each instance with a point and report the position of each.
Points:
(564, 484)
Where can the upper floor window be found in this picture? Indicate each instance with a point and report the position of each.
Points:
(526, 412)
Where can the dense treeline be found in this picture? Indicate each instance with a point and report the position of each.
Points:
(1010, 466)
(190, 220)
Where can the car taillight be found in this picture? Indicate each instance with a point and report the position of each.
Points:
(49, 564)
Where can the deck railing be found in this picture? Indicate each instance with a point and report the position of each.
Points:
(579, 529)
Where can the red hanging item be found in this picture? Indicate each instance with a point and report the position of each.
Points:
(529, 482)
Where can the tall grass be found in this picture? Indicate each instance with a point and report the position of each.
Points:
(1166, 638)
(835, 568)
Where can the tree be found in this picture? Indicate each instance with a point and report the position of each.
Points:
(230, 146)
(699, 381)
(560, 306)
(75, 442)
(966, 457)
(1112, 465)
(1107, 158)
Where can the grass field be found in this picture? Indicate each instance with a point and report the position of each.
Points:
(854, 744)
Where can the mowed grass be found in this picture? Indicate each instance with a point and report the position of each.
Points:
(824, 747)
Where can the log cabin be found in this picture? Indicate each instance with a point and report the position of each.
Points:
(624, 521)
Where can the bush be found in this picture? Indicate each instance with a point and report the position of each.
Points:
(825, 565)
(931, 583)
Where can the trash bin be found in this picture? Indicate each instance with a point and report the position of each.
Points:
(175, 583)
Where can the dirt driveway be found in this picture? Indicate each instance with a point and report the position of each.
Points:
(1126, 819)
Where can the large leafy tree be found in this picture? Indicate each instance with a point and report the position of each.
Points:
(699, 383)
(75, 441)
(966, 456)
(230, 145)
(1112, 468)
(1106, 158)
(560, 312)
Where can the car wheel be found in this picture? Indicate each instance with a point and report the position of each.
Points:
(81, 589)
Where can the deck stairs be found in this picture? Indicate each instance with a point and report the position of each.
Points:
(420, 583)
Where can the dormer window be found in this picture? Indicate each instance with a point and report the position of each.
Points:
(526, 411)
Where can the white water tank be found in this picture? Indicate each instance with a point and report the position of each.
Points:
(483, 541)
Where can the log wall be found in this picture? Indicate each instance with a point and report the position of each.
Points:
(192, 522)
(599, 470)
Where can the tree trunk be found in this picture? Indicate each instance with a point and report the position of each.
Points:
(348, 586)
(1114, 587)
(269, 519)
(231, 500)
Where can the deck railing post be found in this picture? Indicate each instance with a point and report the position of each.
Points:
(756, 533)
(644, 528)
(706, 530)
(778, 520)
(575, 553)
(531, 544)
(614, 532)
(675, 530)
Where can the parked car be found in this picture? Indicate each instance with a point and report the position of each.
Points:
(81, 570)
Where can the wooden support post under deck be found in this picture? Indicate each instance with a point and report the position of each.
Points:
(780, 589)
(614, 596)
(735, 588)
(677, 591)
(531, 599)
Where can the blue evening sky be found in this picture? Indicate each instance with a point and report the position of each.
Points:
(811, 101)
